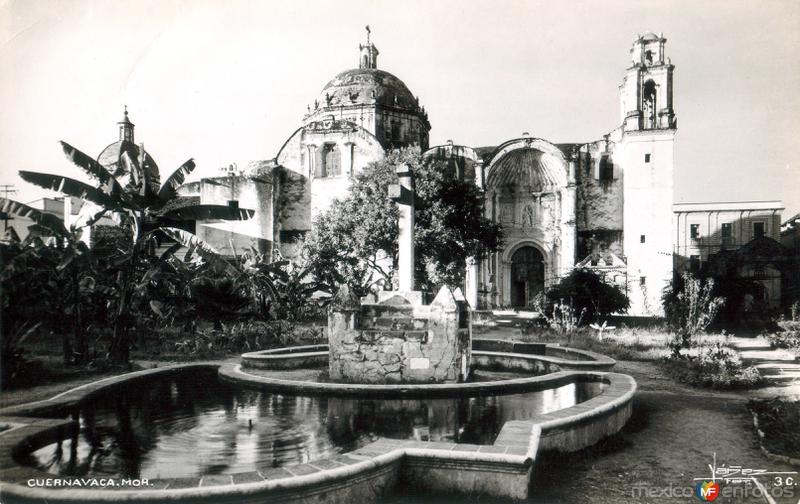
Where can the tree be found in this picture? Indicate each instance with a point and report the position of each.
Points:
(588, 295)
(355, 240)
(136, 198)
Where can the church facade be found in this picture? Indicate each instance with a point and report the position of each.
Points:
(604, 205)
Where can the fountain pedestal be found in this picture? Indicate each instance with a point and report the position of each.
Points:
(399, 341)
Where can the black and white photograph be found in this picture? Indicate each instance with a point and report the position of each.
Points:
(399, 251)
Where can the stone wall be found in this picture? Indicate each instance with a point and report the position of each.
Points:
(398, 343)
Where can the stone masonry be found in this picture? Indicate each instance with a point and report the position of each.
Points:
(396, 341)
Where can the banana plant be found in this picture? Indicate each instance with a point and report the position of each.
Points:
(135, 197)
(70, 263)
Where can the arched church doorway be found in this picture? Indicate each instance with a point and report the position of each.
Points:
(527, 275)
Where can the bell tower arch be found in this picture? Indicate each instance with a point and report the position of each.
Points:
(646, 90)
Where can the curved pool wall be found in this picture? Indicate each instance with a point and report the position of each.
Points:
(535, 358)
(502, 469)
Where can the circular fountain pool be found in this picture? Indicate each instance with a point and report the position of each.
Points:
(211, 432)
(194, 425)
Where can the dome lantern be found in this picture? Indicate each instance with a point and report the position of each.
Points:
(126, 127)
(368, 54)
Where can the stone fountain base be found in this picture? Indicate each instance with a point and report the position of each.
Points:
(399, 340)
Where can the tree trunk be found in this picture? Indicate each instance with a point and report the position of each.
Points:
(79, 336)
(119, 353)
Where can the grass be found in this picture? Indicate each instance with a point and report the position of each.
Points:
(623, 343)
(711, 363)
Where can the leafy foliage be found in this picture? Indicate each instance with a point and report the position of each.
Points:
(143, 207)
(355, 241)
(587, 295)
(690, 310)
(787, 336)
(559, 316)
(716, 366)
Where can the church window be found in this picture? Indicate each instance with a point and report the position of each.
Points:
(758, 229)
(606, 170)
(396, 131)
(726, 230)
(648, 57)
(694, 230)
(642, 239)
(649, 106)
(331, 164)
(647, 158)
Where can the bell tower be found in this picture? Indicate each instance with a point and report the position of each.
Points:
(646, 89)
(368, 56)
(645, 154)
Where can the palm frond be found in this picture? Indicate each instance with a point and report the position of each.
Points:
(48, 221)
(110, 185)
(71, 187)
(169, 188)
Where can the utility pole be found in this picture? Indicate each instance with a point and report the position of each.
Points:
(6, 189)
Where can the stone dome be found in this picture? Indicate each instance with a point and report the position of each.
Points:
(110, 158)
(367, 86)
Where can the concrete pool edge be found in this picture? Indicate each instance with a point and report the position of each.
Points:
(526, 357)
(502, 469)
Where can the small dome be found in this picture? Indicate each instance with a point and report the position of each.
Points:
(649, 37)
(367, 86)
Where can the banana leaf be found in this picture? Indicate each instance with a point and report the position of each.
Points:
(169, 189)
(72, 187)
(110, 185)
(48, 221)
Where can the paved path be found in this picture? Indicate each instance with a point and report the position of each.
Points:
(779, 367)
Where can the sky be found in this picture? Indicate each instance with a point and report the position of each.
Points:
(227, 81)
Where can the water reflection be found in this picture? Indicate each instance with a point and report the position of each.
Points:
(193, 426)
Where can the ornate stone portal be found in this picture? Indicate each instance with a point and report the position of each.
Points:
(400, 339)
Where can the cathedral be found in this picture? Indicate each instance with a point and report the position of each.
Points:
(604, 205)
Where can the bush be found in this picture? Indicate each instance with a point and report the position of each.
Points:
(787, 336)
(715, 366)
(560, 317)
(587, 295)
(690, 307)
(240, 337)
(779, 421)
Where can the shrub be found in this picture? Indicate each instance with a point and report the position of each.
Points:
(14, 361)
(240, 337)
(787, 336)
(588, 295)
(689, 310)
(779, 421)
(560, 317)
(715, 366)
